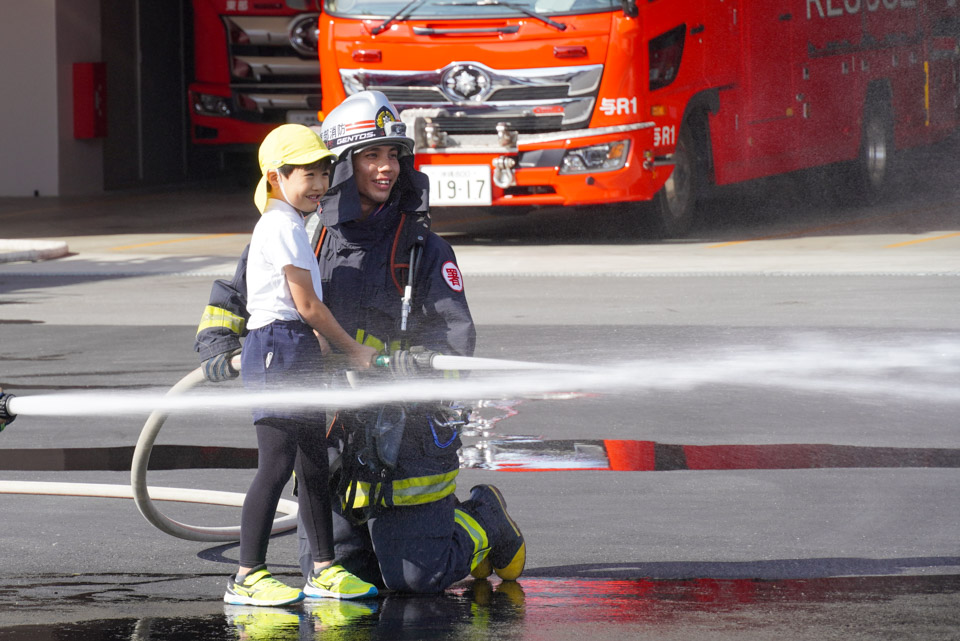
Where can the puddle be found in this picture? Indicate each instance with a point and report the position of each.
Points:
(543, 608)
(521, 454)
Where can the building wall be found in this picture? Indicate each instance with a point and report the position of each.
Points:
(29, 108)
(142, 46)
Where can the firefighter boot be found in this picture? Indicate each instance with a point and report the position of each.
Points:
(508, 552)
(483, 569)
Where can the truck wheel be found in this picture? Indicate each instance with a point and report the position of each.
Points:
(676, 202)
(874, 170)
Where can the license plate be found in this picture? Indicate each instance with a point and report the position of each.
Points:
(302, 118)
(458, 185)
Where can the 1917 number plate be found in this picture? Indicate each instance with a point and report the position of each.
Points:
(458, 185)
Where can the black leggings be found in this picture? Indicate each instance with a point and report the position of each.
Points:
(285, 446)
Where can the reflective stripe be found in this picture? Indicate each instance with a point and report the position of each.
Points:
(481, 546)
(362, 498)
(219, 317)
(412, 491)
(369, 339)
(424, 489)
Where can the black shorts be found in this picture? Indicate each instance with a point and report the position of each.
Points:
(283, 356)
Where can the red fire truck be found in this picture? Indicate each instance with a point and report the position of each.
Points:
(583, 102)
(254, 67)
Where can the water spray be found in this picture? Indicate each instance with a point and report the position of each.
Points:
(812, 366)
(400, 363)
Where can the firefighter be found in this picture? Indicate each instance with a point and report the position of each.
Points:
(393, 284)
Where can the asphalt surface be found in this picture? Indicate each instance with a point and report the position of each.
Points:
(780, 410)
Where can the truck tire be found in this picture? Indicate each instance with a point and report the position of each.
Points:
(675, 204)
(873, 172)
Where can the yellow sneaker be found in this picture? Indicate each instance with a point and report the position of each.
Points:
(336, 583)
(260, 588)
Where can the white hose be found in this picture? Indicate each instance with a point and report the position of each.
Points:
(144, 495)
(447, 361)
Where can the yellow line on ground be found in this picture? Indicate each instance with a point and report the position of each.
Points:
(172, 240)
(922, 240)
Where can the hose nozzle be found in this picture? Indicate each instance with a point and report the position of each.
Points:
(407, 362)
(6, 416)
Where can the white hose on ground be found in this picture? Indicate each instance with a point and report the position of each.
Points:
(144, 495)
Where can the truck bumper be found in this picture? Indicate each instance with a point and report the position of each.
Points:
(526, 169)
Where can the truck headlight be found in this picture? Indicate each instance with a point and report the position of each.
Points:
(304, 34)
(207, 104)
(607, 156)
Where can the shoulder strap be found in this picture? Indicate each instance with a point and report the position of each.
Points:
(407, 244)
(321, 236)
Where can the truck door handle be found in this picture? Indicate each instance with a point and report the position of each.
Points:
(694, 30)
(786, 16)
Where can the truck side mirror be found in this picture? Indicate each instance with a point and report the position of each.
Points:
(630, 8)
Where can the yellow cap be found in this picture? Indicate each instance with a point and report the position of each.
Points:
(287, 145)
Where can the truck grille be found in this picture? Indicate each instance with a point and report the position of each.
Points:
(472, 98)
(268, 76)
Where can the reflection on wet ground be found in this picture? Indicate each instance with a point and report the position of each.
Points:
(524, 454)
(543, 608)
(535, 455)
(848, 598)
(560, 608)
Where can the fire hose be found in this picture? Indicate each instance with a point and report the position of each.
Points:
(401, 363)
(138, 490)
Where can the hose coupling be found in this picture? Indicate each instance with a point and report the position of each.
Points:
(410, 362)
(6, 416)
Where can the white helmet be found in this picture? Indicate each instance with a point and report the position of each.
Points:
(364, 119)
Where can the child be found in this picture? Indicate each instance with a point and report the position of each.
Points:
(288, 323)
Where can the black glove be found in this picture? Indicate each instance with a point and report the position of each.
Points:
(218, 369)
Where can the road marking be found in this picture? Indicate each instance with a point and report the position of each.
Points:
(922, 240)
(172, 240)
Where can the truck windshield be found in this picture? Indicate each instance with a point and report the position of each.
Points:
(517, 6)
(399, 10)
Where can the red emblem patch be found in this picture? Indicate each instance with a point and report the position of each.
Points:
(451, 274)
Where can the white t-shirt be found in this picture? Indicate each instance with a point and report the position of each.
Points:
(279, 239)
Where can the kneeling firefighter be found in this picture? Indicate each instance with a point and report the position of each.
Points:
(394, 284)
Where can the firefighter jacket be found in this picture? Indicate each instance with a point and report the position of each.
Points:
(365, 266)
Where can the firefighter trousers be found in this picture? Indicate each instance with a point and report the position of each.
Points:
(421, 548)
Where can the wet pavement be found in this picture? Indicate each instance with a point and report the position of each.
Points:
(723, 510)
(544, 608)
